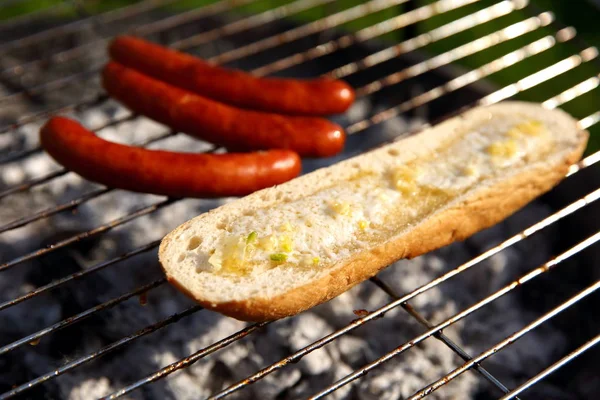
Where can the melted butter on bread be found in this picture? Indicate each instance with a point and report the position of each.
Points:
(326, 226)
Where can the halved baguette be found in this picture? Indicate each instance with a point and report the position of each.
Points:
(248, 260)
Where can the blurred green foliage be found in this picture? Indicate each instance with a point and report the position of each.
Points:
(578, 13)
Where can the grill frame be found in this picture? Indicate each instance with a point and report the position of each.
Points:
(585, 55)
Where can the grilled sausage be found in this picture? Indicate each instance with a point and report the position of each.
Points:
(323, 96)
(219, 123)
(164, 172)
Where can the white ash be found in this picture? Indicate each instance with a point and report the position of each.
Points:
(399, 377)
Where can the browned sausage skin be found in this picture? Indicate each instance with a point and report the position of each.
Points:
(219, 123)
(163, 172)
(321, 96)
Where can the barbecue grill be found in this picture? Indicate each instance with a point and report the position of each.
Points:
(413, 64)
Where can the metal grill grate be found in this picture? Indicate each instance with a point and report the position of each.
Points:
(536, 34)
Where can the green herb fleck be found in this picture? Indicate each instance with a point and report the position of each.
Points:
(279, 257)
(251, 237)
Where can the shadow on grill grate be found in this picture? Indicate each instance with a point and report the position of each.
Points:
(86, 312)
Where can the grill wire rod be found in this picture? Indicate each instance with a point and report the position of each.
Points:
(514, 337)
(553, 368)
(439, 327)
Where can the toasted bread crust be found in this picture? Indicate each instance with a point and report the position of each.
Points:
(484, 207)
